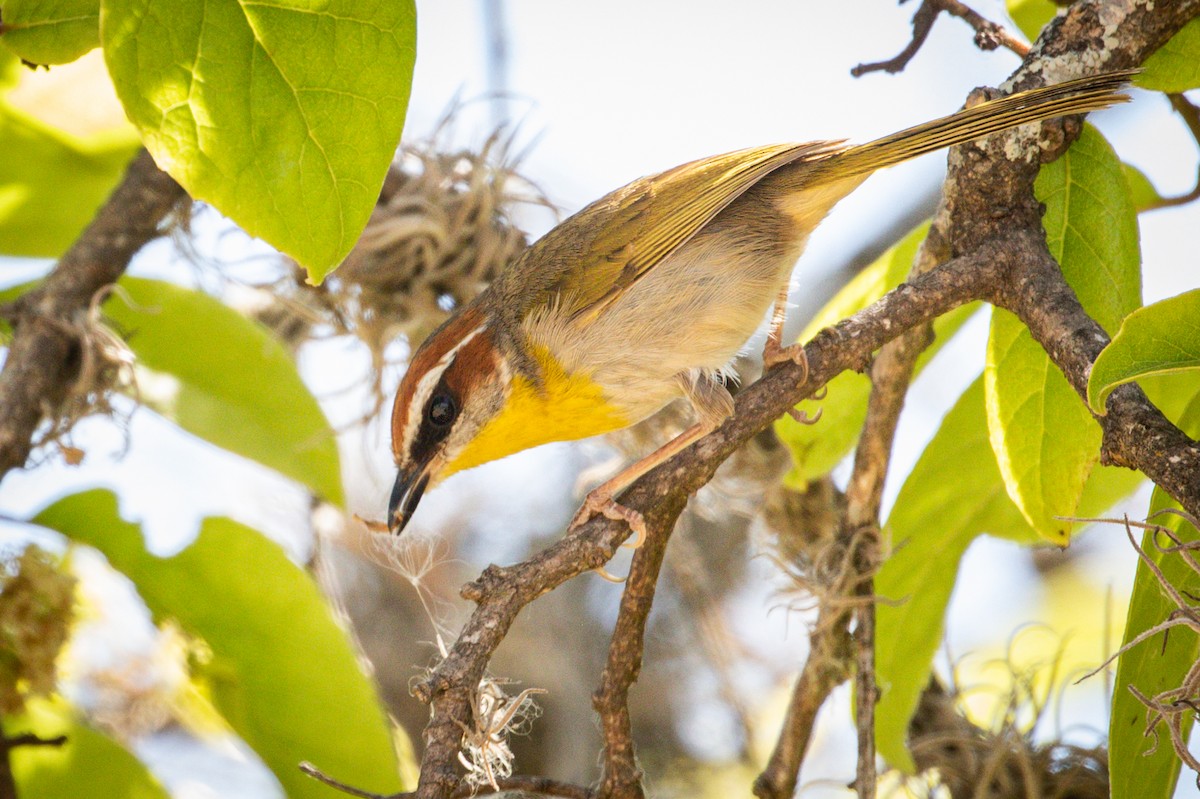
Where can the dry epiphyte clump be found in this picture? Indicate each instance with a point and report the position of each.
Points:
(37, 598)
(1174, 709)
(1003, 761)
(103, 364)
(485, 752)
(443, 226)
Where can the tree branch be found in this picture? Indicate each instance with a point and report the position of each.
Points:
(993, 233)
(43, 358)
(622, 777)
(525, 784)
(890, 376)
(830, 653)
(501, 592)
(988, 35)
(1136, 434)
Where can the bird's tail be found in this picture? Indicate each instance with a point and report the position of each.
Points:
(1071, 97)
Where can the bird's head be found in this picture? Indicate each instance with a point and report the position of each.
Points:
(457, 382)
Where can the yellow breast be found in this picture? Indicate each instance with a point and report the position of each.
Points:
(565, 407)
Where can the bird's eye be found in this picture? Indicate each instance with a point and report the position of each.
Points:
(441, 410)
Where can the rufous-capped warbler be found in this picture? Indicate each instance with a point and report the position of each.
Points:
(646, 295)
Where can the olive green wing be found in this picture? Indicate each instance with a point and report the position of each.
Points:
(592, 258)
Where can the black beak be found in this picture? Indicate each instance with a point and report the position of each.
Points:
(410, 485)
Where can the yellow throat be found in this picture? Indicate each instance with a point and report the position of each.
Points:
(566, 407)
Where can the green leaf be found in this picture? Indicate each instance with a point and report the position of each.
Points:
(1155, 665)
(283, 115)
(1045, 440)
(932, 522)
(40, 168)
(10, 67)
(1160, 339)
(235, 384)
(1141, 190)
(1174, 67)
(50, 31)
(930, 526)
(223, 378)
(816, 449)
(89, 764)
(1031, 15)
(283, 673)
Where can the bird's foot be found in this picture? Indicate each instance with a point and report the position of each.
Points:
(774, 354)
(601, 503)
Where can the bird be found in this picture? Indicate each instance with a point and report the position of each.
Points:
(647, 295)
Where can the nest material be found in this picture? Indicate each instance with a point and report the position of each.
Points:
(442, 229)
(1004, 763)
(103, 367)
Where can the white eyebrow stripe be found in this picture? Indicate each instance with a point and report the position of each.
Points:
(428, 383)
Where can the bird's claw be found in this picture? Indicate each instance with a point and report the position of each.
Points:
(774, 355)
(601, 503)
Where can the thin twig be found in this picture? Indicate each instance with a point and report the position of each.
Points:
(540, 786)
(890, 377)
(8, 785)
(988, 35)
(1191, 117)
(828, 666)
(891, 374)
(622, 777)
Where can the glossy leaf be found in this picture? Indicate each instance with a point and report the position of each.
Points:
(89, 764)
(1174, 67)
(10, 67)
(222, 378)
(934, 520)
(50, 31)
(1157, 664)
(235, 384)
(816, 449)
(283, 673)
(285, 114)
(1160, 339)
(1141, 190)
(1045, 441)
(40, 167)
(1031, 15)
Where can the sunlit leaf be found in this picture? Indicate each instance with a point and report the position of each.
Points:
(50, 31)
(1045, 441)
(284, 115)
(235, 385)
(1156, 665)
(1031, 15)
(89, 764)
(1174, 67)
(222, 378)
(1141, 190)
(931, 525)
(40, 169)
(10, 67)
(816, 449)
(282, 672)
(953, 494)
(1160, 339)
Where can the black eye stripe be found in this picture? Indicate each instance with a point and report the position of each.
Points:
(437, 419)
